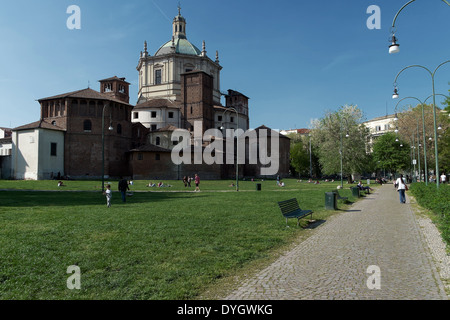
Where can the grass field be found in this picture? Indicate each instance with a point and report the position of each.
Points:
(158, 245)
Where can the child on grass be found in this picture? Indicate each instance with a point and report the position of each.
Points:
(108, 194)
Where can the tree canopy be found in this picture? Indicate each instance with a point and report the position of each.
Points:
(341, 128)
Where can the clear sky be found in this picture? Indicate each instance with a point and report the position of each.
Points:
(294, 59)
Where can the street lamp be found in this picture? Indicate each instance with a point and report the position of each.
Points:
(110, 128)
(341, 149)
(432, 74)
(237, 143)
(395, 47)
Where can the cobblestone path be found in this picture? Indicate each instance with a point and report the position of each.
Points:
(333, 262)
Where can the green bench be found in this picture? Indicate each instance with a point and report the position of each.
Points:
(290, 209)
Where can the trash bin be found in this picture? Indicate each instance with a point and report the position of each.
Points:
(355, 192)
(258, 187)
(330, 200)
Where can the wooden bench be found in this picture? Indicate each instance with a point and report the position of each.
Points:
(339, 196)
(290, 209)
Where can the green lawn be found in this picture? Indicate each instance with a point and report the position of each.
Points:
(159, 245)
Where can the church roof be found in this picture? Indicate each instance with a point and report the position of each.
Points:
(169, 127)
(156, 103)
(41, 124)
(182, 46)
(114, 78)
(84, 94)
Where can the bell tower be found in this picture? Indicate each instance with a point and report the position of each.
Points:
(116, 88)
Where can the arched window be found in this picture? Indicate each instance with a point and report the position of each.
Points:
(119, 128)
(158, 141)
(87, 125)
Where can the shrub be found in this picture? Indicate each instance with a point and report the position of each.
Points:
(437, 201)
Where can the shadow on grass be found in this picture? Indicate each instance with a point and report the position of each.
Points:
(50, 198)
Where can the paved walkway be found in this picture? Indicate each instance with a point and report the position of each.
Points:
(333, 262)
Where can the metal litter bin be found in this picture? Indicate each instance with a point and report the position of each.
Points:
(330, 200)
(258, 187)
(355, 192)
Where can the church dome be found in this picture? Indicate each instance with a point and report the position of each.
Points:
(182, 46)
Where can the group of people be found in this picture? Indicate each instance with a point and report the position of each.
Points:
(159, 185)
(123, 187)
(187, 182)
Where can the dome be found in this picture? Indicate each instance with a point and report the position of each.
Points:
(182, 46)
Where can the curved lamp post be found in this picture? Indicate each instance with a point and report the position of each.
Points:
(424, 141)
(432, 74)
(103, 143)
(423, 128)
(395, 47)
(237, 143)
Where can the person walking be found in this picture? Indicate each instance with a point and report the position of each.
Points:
(443, 178)
(400, 184)
(123, 187)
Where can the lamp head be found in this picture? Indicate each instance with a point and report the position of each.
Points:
(395, 94)
(394, 47)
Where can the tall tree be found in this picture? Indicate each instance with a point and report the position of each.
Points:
(390, 154)
(341, 133)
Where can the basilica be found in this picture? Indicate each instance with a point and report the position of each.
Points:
(90, 134)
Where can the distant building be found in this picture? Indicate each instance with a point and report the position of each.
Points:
(5, 153)
(377, 127)
(302, 132)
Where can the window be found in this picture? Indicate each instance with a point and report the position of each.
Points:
(53, 147)
(153, 127)
(231, 119)
(121, 88)
(140, 156)
(153, 114)
(119, 128)
(87, 125)
(135, 115)
(378, 128)
(158, 141)
(158, 76)
(157, 157)
(108, 87)
(170, 115)
(219, 118)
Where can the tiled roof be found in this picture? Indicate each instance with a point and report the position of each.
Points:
(156, 103)
(166, 128)
(41, 124)
(114, 78)
(85, 94)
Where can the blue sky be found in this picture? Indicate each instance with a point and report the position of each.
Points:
(294, 59)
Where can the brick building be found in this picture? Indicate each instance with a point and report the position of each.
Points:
(179, 88)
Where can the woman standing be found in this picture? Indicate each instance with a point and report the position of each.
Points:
(400, 184)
